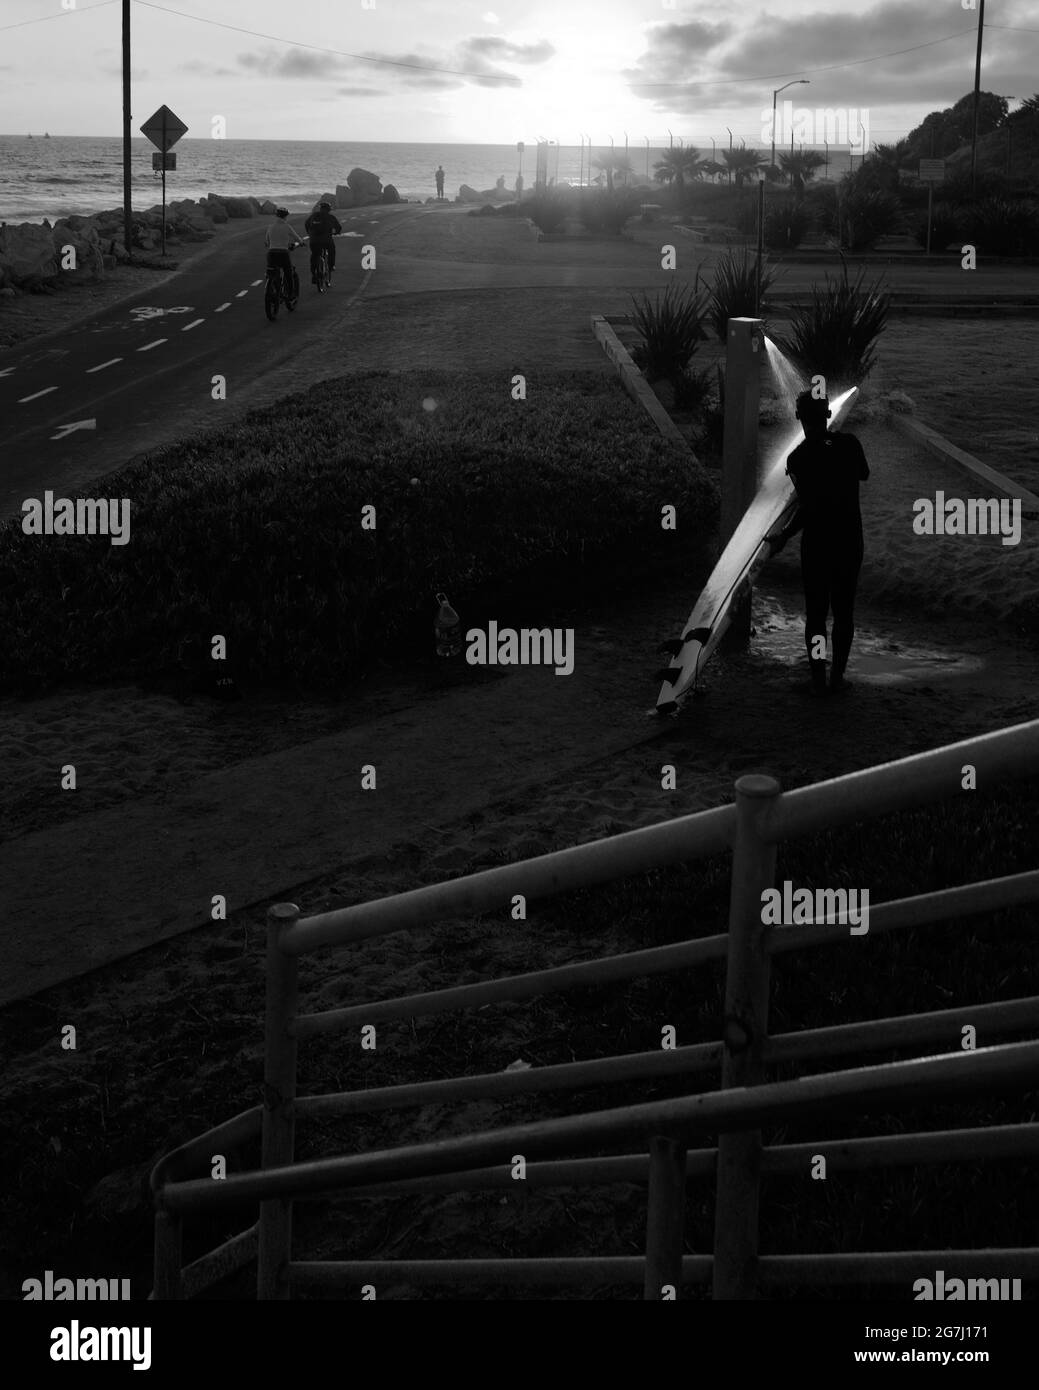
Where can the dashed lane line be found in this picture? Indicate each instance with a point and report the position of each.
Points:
(241, 294)
(257, 282)
(110, 363)
(148, 346)
(26, 399)
(194, 324)
(223, 307)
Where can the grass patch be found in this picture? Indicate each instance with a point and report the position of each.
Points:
(255, 532)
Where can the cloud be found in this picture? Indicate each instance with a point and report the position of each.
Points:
(360, 92)
(465, 67)
(492, 47)
(296, 63)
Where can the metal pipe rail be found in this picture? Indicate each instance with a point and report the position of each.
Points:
(863, 1089)
(864, 795)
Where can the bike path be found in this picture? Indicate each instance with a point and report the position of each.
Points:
(140, 374)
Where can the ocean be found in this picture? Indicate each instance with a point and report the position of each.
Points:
(51, 178)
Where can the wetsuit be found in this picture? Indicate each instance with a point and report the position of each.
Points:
(826, 474)
(321, 228)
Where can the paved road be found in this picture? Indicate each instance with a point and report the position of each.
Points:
(141, 373)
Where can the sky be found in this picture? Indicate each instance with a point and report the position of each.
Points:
(426, 70)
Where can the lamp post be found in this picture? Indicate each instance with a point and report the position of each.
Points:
(672, 139)
(646, 138)
(730, 151)
(797, 81)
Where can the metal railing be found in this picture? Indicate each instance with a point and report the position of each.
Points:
(759, 819)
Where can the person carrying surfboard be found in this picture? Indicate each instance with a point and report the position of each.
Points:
(826, 469)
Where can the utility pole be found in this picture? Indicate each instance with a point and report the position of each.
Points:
(977, 94)
(127, 176)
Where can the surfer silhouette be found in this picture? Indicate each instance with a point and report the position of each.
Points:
(826, 469)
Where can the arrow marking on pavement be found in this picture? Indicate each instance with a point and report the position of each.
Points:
(63, 430)
(26, 399)
(110, 363)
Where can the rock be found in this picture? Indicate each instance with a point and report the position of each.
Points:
(27, 253)
(344, 197)
(238, 207)
(430, 200)
(215, 212)
(267, 208)
(469, 195)
(390, 194)
(364, 184)
(84, 243)
(255, 204)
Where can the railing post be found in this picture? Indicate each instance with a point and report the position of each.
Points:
(169, 1258)
(665, 1218)
(746, 1023)
(279, 1094)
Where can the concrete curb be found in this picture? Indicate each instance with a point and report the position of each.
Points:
(942, 449)
(635, 383)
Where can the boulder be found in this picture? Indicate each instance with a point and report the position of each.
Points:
(364, 184)
(84, 242)
(238, 207)
(214, 211)
(256, 205)
(27, 253)
(344, 196)
(469, 195)
(390, 194)
(267, 208)
(430, 200)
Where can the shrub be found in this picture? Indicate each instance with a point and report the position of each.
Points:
(785, 227)
(606, 213)
(863, 217)
(946, 226)
(735, 288)
(548, 211)
(836, 334)
(1003, 226)
(671, 326)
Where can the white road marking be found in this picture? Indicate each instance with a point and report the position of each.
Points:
(6, 371)
(26, 399)
(241, 294)
(194, 324)
(223, 307)
(110, 363)
(148, 346)
(257, 282)
(63, 430)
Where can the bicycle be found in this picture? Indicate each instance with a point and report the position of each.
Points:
(277, 292)
(324, 274)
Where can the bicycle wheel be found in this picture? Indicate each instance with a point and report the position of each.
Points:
(322, 272)
(292, 299)
(271, 295)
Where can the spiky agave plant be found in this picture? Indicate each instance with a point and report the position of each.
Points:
(836, 334)
(735, 289)
(671, 327)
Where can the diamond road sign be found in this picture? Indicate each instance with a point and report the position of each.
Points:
(163, 129)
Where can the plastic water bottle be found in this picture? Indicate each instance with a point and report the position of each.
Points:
(447, 628)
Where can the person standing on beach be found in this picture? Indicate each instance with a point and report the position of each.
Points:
(439, 176)
(826, 468)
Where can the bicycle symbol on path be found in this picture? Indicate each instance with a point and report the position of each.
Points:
(147, 312)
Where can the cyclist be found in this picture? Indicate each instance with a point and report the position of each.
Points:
(282, 238)
(322, 226)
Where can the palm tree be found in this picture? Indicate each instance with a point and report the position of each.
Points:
(800, 168)
(674, 165)
(612, 164)
(712, 168)
(743, 163)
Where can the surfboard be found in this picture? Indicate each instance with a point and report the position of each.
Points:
(733, 576)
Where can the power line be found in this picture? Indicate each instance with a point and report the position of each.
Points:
(317, 48)
(60, 14)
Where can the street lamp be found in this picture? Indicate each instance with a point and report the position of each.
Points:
(646, 138)
(672, 139)
(730, 151)
(796, 82)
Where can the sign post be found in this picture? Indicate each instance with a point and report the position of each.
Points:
(932, 171)
(164, 129)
